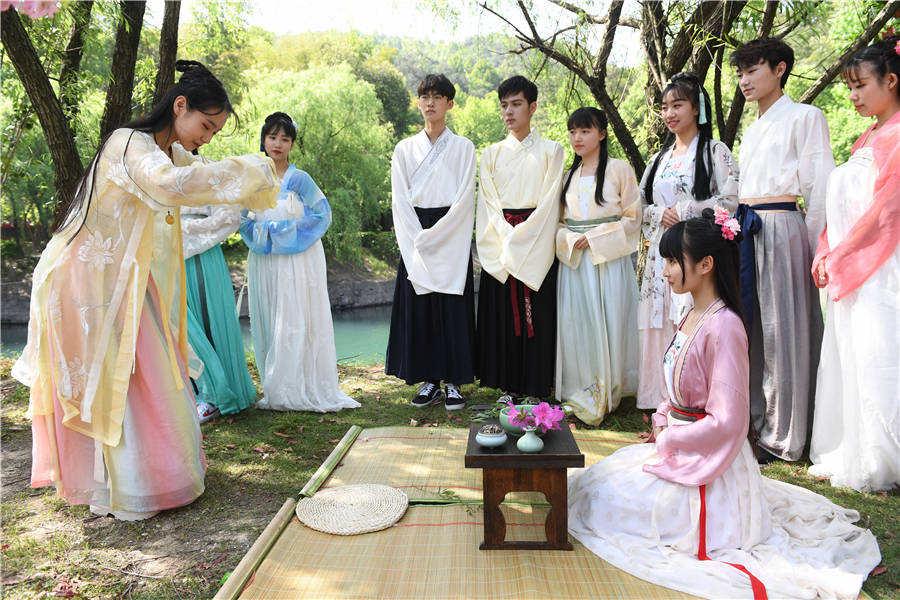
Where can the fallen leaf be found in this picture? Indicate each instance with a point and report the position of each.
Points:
(281, 435)
(292, 442)
(230, 421)
(894, 583)
(211, 423)
(643, 435)
(218, 560)
(889, 534)
(334, 441)
(4, 546)
(301, 428)
(882, 493)
(798, 470)
(378, 397)
(573, 427)
(879, 570)
(231, 446)
(646, 419)
(264, 449)
(822, 478)
(427, 425)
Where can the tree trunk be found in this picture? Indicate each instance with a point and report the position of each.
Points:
(66, 162)
(168, 48)
(81, 17)
(121, 86)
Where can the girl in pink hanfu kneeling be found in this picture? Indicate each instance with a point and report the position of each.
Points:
(691, 511)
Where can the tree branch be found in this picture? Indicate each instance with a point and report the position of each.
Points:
(66, 162)
(81, 18)
(168, 47)
(118, 94)
(595, 19)
(887, 11)
(606, 42)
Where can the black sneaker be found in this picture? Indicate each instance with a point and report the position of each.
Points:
(429, 394)
(453, 398)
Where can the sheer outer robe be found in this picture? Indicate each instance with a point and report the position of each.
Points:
(427, 175)
(712, 373)
(204, 227)
(515, 174)
(87, 295)
(608, 241)
(787, 151)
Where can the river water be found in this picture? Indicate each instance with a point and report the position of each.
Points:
(360, 335)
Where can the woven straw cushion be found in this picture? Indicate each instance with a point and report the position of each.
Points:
(352, 509)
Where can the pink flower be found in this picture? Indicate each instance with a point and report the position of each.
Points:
(519, 418)
(730, 228)
(547, 417)
(721, 214)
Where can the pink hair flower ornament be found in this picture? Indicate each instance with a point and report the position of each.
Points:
(34, 9)
(730, 226)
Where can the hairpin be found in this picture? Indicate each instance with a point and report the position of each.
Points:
(730, 225)
(897, 48)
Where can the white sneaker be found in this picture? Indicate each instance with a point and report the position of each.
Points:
(206, 412)
(453, 398)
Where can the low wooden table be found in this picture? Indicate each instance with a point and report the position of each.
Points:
(505, 470)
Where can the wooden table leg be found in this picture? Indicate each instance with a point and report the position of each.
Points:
(496, 483)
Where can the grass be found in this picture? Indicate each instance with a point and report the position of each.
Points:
(256, 460)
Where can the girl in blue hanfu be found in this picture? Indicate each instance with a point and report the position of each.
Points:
(691, 172)
(290, 315)
(224, 385)
(113, 417)
(691, 511)
(596, 333)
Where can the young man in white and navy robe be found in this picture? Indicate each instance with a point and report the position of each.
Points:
(785, 155)
(515, 232)
(432, 336)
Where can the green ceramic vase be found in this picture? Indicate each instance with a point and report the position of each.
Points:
(530, 442)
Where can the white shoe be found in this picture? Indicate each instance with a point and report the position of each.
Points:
(206, 412)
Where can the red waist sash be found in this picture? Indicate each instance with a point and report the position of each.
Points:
(515, 219)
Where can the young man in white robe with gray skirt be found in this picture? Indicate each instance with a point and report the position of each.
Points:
(432, 336)
(785, 155)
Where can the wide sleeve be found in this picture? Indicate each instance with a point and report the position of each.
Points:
(815, 162)
(291, 236)
(406, 222)
(698, 453)
(439, 258)
(528, 250)
(136, 164)
(490, 224)
(724, 184)
(200, 234)
(609, 241)
(651, 223)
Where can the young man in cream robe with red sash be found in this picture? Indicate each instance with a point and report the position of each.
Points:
(432, 337)
(515, 232)
(785, 154)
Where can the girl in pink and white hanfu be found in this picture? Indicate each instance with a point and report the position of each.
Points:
(691, 511)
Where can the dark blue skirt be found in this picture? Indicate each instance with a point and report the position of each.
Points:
(432, 337)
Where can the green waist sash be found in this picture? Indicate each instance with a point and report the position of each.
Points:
(585, 226)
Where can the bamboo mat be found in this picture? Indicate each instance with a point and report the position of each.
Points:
(433, 553)
(427, 463)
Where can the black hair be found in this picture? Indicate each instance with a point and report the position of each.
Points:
(687, 86)
(700, 237)
(881, 57)
(202, 91)
(768, 50)
(516, 84)
(587, 117)
(277, 121)
(437, 84)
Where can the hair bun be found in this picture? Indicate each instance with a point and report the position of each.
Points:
(686, 76)
(184, 66)
(709, 215)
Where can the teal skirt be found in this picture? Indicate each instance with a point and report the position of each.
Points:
(215, 334)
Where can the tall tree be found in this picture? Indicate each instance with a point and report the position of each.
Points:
(121, 85)
(68, 75)
(66, 162)
(168, 49)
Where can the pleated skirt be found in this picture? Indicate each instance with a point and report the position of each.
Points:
(432, 336)
(158, 462)
(597, 353)
(510, 360)
(214, 333)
